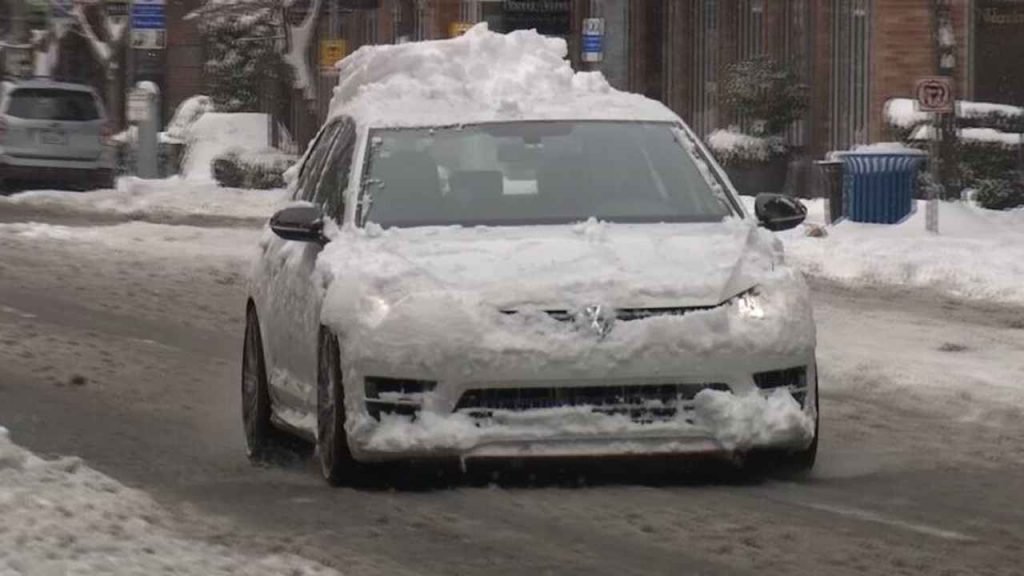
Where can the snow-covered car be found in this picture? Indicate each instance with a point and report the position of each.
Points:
(489, 255)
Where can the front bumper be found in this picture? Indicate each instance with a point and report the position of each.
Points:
(440, 429)
(98, 172)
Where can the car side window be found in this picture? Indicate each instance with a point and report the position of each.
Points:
(310, 174)
(330, 192)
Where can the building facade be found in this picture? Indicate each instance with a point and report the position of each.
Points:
(854, 54)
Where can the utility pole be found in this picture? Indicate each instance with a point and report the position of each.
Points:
(948, 152)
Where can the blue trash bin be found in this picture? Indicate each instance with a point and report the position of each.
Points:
(878, 187)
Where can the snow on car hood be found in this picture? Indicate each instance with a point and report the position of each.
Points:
(558, 267)
(435, 298)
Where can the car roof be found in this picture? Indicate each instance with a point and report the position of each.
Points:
(49, 84)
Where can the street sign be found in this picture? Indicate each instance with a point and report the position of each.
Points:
(116, 8)
(935, 94)
(149, 25)
(61, 10)
(459, 28)
(330, 52)
(593, 39)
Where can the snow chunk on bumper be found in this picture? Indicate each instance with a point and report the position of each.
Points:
(743, 422)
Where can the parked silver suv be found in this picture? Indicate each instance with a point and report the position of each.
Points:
(54, 132)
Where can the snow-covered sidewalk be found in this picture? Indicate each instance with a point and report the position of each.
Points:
(167, 200)
(61, 517)
(978, 254)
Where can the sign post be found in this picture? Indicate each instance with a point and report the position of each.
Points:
(331, 51)
(593, 40)
(935, 95)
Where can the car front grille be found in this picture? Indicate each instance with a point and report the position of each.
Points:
(627, 314)
(643, 403)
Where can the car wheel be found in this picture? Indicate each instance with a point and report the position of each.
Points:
(336, 460)
(264, 442)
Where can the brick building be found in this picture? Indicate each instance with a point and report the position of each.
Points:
(854, 54)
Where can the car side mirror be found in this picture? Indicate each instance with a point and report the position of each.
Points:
(779, 212)
(299, 223)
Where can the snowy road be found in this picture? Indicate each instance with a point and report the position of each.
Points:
(131, 362)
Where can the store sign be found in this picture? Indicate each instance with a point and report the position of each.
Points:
(593, 40)
(549, 17)
(331, 51)
(149, 25)
(459, 28)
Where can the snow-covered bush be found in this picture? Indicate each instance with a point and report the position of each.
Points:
(243, 56)
(258, 171)
(1002, 194)
(766, 93)
(733, 147)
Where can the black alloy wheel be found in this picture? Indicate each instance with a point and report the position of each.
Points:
(263, 440)
(336, 462)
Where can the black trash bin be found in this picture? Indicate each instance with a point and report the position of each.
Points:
(831, 173)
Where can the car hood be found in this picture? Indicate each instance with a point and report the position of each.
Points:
(557, 267)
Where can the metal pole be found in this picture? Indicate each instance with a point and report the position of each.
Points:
(932, 211)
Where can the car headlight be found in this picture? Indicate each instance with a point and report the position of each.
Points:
(749, 304)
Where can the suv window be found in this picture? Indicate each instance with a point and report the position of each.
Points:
(53, 104)
(309, 175)
(330, 192)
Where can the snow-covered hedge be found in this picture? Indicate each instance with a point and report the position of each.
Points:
(989, 140)
(732, 146)
(255, 170)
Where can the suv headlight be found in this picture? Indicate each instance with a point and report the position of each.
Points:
(749, 304)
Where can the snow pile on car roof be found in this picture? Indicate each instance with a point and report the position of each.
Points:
(478, 77)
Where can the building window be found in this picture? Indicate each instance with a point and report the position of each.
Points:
(751, 28)
(851, 54)
(704, 84)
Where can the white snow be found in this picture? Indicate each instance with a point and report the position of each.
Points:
(478, 77)
(171, 198)
(729, 145)
(216, 133)
(978, 255)
(903, 112)
(159, 241)
(730, 421)
(981, 135)
(186, 115)
(59, 516)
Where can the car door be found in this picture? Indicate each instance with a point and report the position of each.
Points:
(296, 364)
(282, 279)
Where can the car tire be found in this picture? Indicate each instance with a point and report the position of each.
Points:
(336, 461)
(264, 441)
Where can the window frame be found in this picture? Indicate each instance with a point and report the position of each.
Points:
(340, 154)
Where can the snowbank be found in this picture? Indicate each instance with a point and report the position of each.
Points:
(978, 255)
(61, 517)
(216, 133)
(480, 76)
(169, 199)
(159, 241)
(980, 135)
(186, 115)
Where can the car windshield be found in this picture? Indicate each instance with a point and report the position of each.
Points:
(53, 104)
(537, 173)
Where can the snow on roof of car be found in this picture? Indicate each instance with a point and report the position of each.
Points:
(481, 76)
